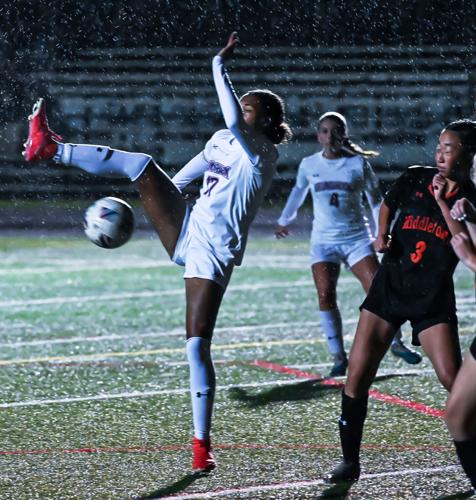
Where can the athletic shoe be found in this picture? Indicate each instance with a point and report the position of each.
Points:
(410, 356)
(345, 471)
(40, 144)
(340, 367)
(203, 459)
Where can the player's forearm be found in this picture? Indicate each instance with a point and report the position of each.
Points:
(469, 260)
(191, 171)
(384, 219)
(295, 200)
(229, 103)
(471, 227)
(454, 226)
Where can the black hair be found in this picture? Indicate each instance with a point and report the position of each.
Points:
(272, 116)
(466, 131)
(346, 144)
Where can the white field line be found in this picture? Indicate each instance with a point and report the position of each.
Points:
(82, 358)
(381, 371)
(74, 267)
(167, 392)
(138, 394)
(296, 485)
(170, 333)
(80, 299)
(178, 332)
(78, 265)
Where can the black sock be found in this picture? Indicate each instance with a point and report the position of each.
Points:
(351, 425)
(466, 451)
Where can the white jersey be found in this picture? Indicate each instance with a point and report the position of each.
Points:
(238, 166)
(336, 187)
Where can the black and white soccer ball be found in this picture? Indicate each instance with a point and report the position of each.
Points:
(109, 222)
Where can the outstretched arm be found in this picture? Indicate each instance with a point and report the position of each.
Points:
(229, 102)
(191, 171)
(295, 200)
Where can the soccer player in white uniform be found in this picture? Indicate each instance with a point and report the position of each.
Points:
(337, 178)
(237, 166)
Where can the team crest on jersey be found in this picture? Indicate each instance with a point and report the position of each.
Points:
(218, 168)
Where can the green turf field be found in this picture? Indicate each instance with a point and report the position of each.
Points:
(94, 401)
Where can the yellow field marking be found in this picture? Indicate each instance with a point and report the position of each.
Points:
(150, 352)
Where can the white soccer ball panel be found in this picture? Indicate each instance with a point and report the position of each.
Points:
(109, 222)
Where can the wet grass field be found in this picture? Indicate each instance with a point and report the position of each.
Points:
(94, 382)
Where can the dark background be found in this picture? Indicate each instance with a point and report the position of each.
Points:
(136, 75)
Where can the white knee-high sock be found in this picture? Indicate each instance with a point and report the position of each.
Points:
(202, 385)
(102, 160)
(331, 322)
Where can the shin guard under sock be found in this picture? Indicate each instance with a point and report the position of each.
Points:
(202, 385)
(102, 160)
(351, 425)
(331, 323)
(466, 451)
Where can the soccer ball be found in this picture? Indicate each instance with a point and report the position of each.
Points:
(109, 222)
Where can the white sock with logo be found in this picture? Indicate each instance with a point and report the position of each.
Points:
(331, 323)
(102, 160)
(202, 384)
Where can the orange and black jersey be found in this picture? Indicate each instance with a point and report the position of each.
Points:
(421, 260)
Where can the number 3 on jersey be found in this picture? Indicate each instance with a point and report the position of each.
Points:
(417, 255)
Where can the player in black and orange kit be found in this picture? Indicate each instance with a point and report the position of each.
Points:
(414, 282)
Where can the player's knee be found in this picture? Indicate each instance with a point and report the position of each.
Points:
(327, 302)
(358, 383)
(447, 376)
(198, 328)
(198, 350)
(459, 423)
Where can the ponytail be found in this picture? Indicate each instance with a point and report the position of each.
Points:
(272, 116)
(347, 145)
(354, 149)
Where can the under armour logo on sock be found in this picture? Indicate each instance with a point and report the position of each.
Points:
(343, 422)
(200, 394)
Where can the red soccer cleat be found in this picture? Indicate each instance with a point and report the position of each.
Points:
(40, 144)
(203, 460)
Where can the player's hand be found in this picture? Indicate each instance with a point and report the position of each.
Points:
(382, 243)
(281, 232)
(439, 184)
(227, 50)
(463, 210)
(462, 247)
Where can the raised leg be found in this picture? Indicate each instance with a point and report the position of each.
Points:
(163, 203)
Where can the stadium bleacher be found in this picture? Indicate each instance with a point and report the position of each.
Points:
(162, 101)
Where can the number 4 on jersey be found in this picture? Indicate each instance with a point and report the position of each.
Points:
(334, 200)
